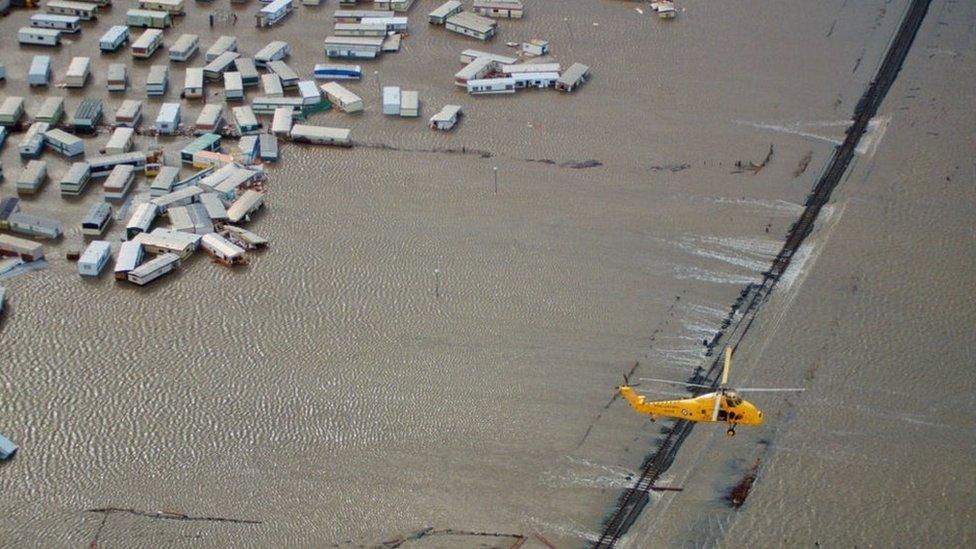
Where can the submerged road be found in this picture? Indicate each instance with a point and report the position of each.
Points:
(633, 501)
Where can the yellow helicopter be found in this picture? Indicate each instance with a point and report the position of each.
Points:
(724, 405)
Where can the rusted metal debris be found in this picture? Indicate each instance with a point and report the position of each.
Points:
(737, 496)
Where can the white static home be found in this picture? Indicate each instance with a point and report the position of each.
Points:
(409, 104)
(511, 9)
(154, 268)
(157, 81)
(38, 37)
(477, 69)
(393, 5)
(320, 135)
(271, 85)
(214, 206)
(63, 23)
(219, 65)
(74, 181)
(245, 120)
(342, 98)
(184, 47)
(471, 25)
(445, 10)
(94, 258)
(575, 76)
(211, 118)
(120, 141)
(222, 45)
(289, 78)
(489, 86)
(39, 73)
(223, 250)
(274, 12)
(470, 55)
(446, 119)
(63, 142)
(310, 93)
(51, 111)
(391, 100)
(193, 86)
(141, 220)
(130, 256)
(117, 78)
(191, 218)
(148, 42)
(97, 219)
(119, 182)
(233, 86)
(164, 182)
(113, 38)
(129, 113)
(80, 9)
(282, 121)
(274, 51)
(353, 47)
(168, 119)
(245, 205)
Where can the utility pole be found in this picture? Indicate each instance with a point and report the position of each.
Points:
(494, 169)
(437, 283)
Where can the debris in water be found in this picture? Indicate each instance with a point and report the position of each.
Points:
(673, 168)
(518, 539)
(170, 515)
(581, 165)
(803, 165)
(737, 496)
(752, 166)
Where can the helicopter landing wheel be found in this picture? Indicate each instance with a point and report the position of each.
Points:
(730, 432)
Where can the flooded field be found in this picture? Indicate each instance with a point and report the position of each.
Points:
(416, 350)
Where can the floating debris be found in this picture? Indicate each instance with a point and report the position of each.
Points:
(738, 494)
(742, 167)
(665, 9)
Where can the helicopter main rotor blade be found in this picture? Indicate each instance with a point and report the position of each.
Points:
(669, 393)
(718, 404)
(673, 382)
(770, 390)
(728, 364)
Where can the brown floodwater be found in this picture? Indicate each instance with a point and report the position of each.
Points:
(415, 350)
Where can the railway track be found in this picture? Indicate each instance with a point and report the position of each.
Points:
(633, 501)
